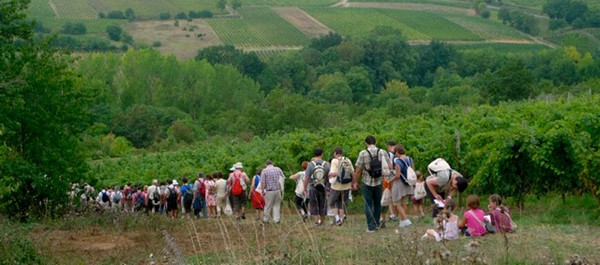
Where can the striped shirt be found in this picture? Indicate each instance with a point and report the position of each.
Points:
(364, 162)
(270, 178)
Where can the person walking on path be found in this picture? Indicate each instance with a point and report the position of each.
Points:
(372, 164)
(314, 184)
(269, 182)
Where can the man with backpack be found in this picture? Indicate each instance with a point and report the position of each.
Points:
(153, 203)
(372, 165)
(270, 178)
(187, 192)
(199, 202)
(314, 184)
(116, 198)
(340, 177)
(172, 195)
(237, 182)
(128, 197)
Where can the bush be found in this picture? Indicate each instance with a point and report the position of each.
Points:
(205, 14)
(176, 24)
(101, 15)
(164, 16)
(557, 24)
(485, 13)
(74, 28)
(117, 14)
(156, 44)
(181, 15)
(114, 32)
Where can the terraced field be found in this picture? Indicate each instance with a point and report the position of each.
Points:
(258, 27)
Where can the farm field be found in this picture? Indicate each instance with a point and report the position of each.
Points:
(182, 41)
(303, 21)
(503, 47)
(152, 8)
(93, 26)
(258, 27)
(453, 3)
(488, 29)
(584, 40)
(74, 9)
(40, 8)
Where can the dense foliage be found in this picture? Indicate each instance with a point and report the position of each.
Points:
(42, 108)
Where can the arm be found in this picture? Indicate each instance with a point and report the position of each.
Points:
(463, 223)
(294, 177)
(357, 174)
(263, 183)
(398, 171)
(431, 183)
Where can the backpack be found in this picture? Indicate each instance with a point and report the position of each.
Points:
(375, 168)
(140, 199)
(172, 199)
(201, 188)
(128, 193)
(236, 188)
(345, 171)
(420, 192)
(318, 176)
(105, 197)
(437, 165)
(411, 175)
(117, 197)
(189, 193)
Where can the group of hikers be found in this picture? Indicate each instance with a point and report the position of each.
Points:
(322, 188)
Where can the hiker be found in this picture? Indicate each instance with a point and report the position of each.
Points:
(221, 185)
(237, 183)
(387, 184)
(153, 197)
(371, 165)
(473, 220)
(103, 198)
(211, 196)
(128, 197)
(314, 185)
(163, 197)
(258, 201)
(443, 183)
(270, 178)
(139, 199)
(301, 198)
(199, 202)
(401, 190)
(446, 226)
(172, 195)
(340, 177)
(187, 193)
(418, 194)
(116, 198)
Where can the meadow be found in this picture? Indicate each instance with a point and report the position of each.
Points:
(550, 231)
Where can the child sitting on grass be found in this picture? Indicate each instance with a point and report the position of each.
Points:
(499, 214)
(473, 222)
(446, 224)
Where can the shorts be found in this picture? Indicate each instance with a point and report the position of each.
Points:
(338, 199)
(239, 201)
(187, 205)
(171, 207)
(417, 202)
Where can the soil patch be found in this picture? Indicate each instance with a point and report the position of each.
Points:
(303, 21)
(183, 41)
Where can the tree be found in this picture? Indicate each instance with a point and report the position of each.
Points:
(74, 28)
(129, 14)
(332, 88)
(511, 82)
(221, 5)
(323, 43)
(114, 32)
(236, 4)
(43, 108)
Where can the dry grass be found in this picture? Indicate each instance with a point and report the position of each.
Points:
(138, 239)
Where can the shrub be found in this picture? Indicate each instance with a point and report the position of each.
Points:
(116, 14)
(485, 13)
(156, 44)
(205, 14)
(164, 16)
(74, 28)
(176, 24)
(181, 15)
(101, 15)
(114, 32)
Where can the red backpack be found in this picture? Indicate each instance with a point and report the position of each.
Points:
(201, 187)
(236, 188)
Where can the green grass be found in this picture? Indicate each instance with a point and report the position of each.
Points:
(258, 27)
(360, 21)
(503, 47)
(432, 25)
(487, 29)
(289, 2)
(583, 40)
(452, 3)
(95, 26)
(74, 9)
(152, 8)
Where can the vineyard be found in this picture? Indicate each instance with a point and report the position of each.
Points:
(40, 8)
(513, 149)
(503, 47)
(487, 29)
(93, 26)
(451, 3)
(258, 27)
(152, 8)
(74, 9)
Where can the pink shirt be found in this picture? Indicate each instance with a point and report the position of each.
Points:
(475, 227)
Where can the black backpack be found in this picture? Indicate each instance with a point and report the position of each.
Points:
(375, 170)
(105, 197)
(172, 196)
(189, 193)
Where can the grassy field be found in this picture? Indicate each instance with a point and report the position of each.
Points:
(503, 47)
(487, 29)
(93, 26)
(587, 40)
(549, 233)
(453, 3)
(152, 8)
(258, 27)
